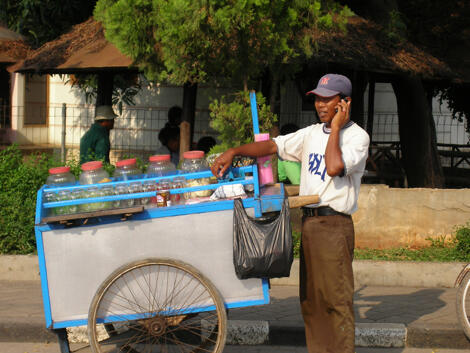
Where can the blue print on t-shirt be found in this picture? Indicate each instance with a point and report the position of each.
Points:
(314, 164)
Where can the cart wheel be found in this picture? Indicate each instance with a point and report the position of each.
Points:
(157, 305)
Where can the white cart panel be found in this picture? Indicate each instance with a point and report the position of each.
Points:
(79, 259)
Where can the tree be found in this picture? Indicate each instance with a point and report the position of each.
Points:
(442, 29)
(187, 42)
(417, 131)
(43, 20)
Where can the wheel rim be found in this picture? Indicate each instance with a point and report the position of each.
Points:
(157, 306)
(466, 303)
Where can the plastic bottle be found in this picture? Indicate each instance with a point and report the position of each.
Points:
(160, 165)
(127, 169)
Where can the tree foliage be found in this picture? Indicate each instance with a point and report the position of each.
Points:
(231, 118)
(43, 20)
(441, 28)
(191, 41)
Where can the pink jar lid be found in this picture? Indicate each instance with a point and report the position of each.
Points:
(159, 158)
(193, 154)
(59, 170)
(126, 162)
(92, 165)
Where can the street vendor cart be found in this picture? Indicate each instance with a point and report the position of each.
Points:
(147, 279)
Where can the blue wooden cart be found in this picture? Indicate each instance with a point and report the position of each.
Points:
(148, 279)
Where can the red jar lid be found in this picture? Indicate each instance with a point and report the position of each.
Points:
(59, 170)
(193, 154)
(159, 158)
(92, 165)
(126, 162)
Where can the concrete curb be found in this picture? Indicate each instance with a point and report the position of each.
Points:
(245, 332)
(379, 335)
(366, 272)
(392, 274)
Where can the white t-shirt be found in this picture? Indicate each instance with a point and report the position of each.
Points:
(308, 146)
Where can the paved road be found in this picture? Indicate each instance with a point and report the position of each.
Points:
(14, 347)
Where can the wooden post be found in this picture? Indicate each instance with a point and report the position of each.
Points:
(64, 128)
(370, 109)
(104, 95)
(189, 112)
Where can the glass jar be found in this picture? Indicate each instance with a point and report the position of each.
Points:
(127, 170)
(194, 162)
(134, 188)
(50, 197)
(108, 190)
(63, 195)
(75, 194)
(60, 176)
(91, 193)
(93, 173)
(149, 186)
(163, 193)
(160, 165)
(122, 189)
(177, 183)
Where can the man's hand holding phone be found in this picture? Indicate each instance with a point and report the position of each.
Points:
(342, 113)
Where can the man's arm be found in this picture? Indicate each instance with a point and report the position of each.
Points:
(333, 155)
(255, 149)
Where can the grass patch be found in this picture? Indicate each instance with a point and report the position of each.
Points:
(440, 249)
(429, 253)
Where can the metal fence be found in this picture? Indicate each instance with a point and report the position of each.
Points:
(135, 130)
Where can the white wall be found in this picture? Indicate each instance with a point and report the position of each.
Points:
(23, 134)
(138, 126)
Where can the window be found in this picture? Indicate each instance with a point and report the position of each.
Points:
(36, 100)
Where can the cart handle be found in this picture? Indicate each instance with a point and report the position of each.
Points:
(299, 201)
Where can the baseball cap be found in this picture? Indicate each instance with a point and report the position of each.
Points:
(332, 84)
(104, 112)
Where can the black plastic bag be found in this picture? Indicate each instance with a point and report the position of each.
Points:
(262, 248)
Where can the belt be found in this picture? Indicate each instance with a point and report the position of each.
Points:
(320, 211)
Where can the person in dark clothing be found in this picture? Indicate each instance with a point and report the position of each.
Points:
(169, 137)
(174, 116)
(205, 144)
(95, 145)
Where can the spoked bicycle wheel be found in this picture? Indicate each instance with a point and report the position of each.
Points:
(463, 304)
(157, 305)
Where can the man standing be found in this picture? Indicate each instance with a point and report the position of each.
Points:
(333, 156)
(95, 145)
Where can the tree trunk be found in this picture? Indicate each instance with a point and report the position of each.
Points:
(189, 112)
(104, 95)
(417, 134)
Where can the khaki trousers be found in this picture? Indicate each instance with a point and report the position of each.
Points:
(327, 283)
